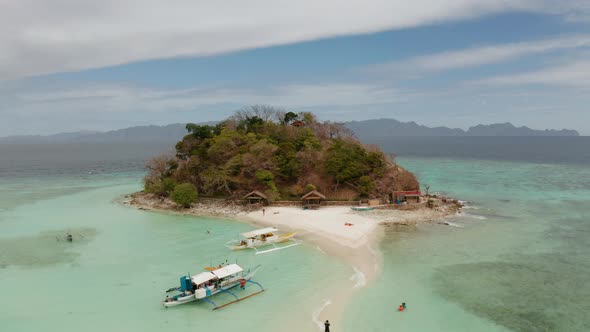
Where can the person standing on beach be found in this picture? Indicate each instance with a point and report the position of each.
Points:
(263, 211)
(327, 325)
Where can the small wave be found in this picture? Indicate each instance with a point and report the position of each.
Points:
(315, 316)
(320, 249)
(372, 251)
(475, 216)
(469, 205)
(375, 254)
(453, 224)
(359, 278)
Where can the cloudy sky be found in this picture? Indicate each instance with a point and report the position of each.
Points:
(68, 65)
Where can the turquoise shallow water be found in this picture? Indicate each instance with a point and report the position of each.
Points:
(518, 261)
(112, 277)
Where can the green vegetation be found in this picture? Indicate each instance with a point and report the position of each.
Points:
(184, 194)
(282, 154)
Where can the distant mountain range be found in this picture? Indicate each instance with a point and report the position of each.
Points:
(364, 130)
(382, 128)
(168, 133)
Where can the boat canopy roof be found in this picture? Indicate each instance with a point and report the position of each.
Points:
(227, 270)
(203, 277)
(259, 232)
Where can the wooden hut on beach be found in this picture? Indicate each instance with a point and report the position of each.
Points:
(256, 197)
(312, 200)
(406, 196)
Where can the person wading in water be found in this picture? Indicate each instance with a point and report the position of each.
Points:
(327, 325)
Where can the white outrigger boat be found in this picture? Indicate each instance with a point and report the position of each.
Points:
(261, 238)
(362, 208)
(206, 284)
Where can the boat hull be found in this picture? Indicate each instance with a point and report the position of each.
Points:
(203, 294)
(255, 243)
(362, 208)
(180, 300)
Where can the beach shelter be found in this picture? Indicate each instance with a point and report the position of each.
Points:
(313, 199)
(407, 196)
(256, 197)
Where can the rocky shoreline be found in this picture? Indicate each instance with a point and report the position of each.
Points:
(432, 209)
(205, 207)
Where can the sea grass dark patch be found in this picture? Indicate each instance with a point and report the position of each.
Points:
(544, 292)
(44, 249)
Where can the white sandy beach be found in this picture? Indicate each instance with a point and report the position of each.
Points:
(357, 244)
(327, 222)
(326, 230)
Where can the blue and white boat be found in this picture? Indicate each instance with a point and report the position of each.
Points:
(206, 284)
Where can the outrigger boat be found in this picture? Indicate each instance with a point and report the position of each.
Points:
(206, 284)
(261, 238)
(362, 208)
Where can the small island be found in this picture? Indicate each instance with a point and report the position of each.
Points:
(274, 168)
(262, 156)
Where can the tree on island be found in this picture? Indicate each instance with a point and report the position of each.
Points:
(427, 189)
(184, 194)
(279, 153)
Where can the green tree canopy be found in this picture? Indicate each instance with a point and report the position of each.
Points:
(257, 149)
(346, 161)
(290, 117)
(202, 132)
(184, 194)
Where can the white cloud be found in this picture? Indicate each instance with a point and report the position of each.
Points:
(49, 109)
(39, 37)
(123, 98)
(57, 108)
(575, 74)
(102, 107)
(479, 56)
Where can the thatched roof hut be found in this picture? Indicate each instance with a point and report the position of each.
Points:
(313, 199)
(256, 197)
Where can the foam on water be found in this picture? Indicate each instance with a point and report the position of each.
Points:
(468, 206)
(359, 278)
(320, 249)
(315, 317)
(474, 216)
(375, 253)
